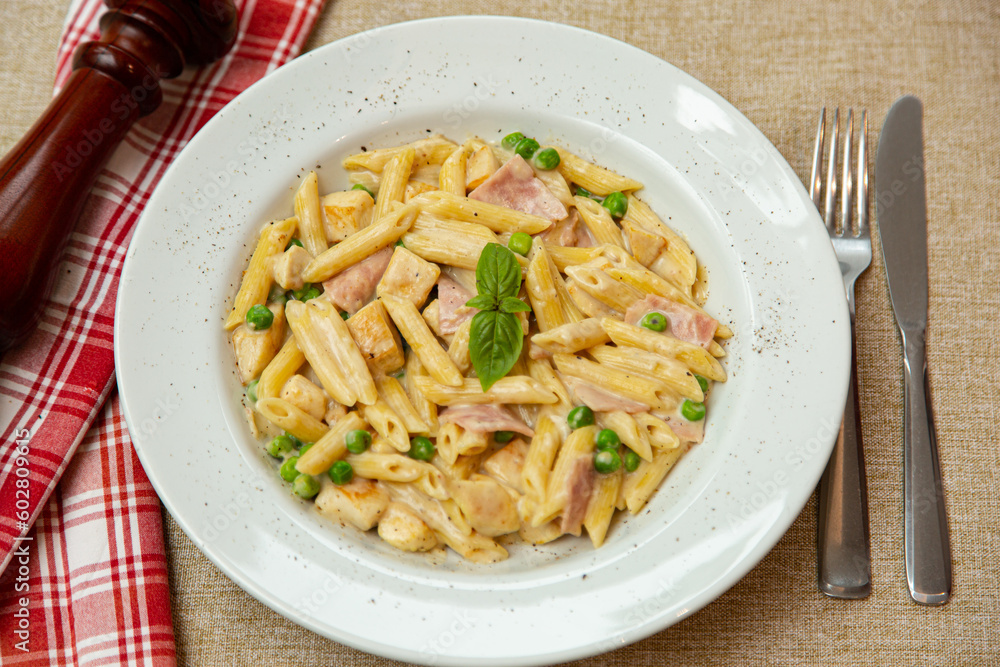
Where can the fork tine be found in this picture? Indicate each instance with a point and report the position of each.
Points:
(829, 215)
(862, 216)
(846, 179)
(816, 182)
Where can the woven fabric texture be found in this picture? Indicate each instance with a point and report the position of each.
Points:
(778, 63)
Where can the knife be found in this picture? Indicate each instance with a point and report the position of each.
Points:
(901, 205)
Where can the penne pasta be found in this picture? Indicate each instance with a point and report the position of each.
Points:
(382, 233)
(434, 149)
(286, 416)
(257, 278)
(422, 341)
(506, 390)
(570, 338)
(597, 179)
(452, 176)
(307, 209)
(496, 218)
(331, 446)
(393, 185)
(694, 356)
(602, 227)
(640, 485)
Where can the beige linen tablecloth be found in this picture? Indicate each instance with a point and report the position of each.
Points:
(777, 62)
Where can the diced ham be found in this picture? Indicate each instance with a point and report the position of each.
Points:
(353, 287)
(514, 185)
(584, 237)
(686, 431)
(452, 311)
(484, 419)
(601, 400)
(563, 233)
(579, 486)
(684, 322)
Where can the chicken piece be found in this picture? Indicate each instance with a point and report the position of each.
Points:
(488, 508)
(403, 529)
(646, 246)
(255, 349)
(305, 395)
(350, 289)
(515, 186)
(287, 267)
(345, 213)
(506, 464)
(408, 277)
(482, 164)
(360, 502)
(377, 338)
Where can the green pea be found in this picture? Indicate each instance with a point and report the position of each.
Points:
(580, 416)
(306, 292)
(526, 147)
(520, 243)
(277, 295)
(360, 186)
(279, 446)
(296, 443)
(294, 242)
(357, 440)
(616, 203)
(341, 472)
(607, 461)
(259, 317)
(344, 315)
(608, 439)
(305, 486)
(631, 461)
(584, 192)
(511, 140)
(692, 410)
(421, 448)
(399, 244)
(702, 382)
(252, 390)
(305, 448)
(654, 321)
(503, 436)
(547, 158)
(287, 470)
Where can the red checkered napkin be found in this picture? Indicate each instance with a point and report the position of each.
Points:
(84, 571)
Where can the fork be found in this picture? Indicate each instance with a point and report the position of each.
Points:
(843, 544)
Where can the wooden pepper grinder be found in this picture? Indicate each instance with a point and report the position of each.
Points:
(45, 179)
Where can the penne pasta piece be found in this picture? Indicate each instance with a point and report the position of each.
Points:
(434, 149)
(628, 429)
(257, 279)
(602, 227)
(395, 396)
(541, 288)
(425, 408)
(307, 209)
(283, 414)
(458, 349)
(615, 294)
(580, 444)
(677, 249)
(422, 341)
(597, 179)
(448, 242)
(496, 218)
(668, 372)
(659, 433)
(695, 356)
(587, 304)
(570, 338)
(387, 424)
(326, 342)
(564, 257)
(541, 370)
(481, 165)
(378, 235)
(393, 185)
(716, 350)
(447, 442)
(629, 385)
(331, 447)
(640, 485)
(391, 467)
(601, 507)
(541, 455)
(510, 389)
(452, 176)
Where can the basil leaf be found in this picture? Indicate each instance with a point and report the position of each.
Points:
(483, 302)
(495, 341)
(498, 272)
(511, 304)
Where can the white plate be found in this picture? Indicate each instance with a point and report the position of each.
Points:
(708, 171)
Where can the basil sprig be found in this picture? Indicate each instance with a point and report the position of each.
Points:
(496, 337)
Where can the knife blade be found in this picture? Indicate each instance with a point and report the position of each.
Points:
(901, 206)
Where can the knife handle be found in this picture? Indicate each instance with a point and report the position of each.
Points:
(843, 544)
(928, 552)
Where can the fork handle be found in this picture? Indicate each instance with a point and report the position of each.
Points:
(928, 552)
(843, 546)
